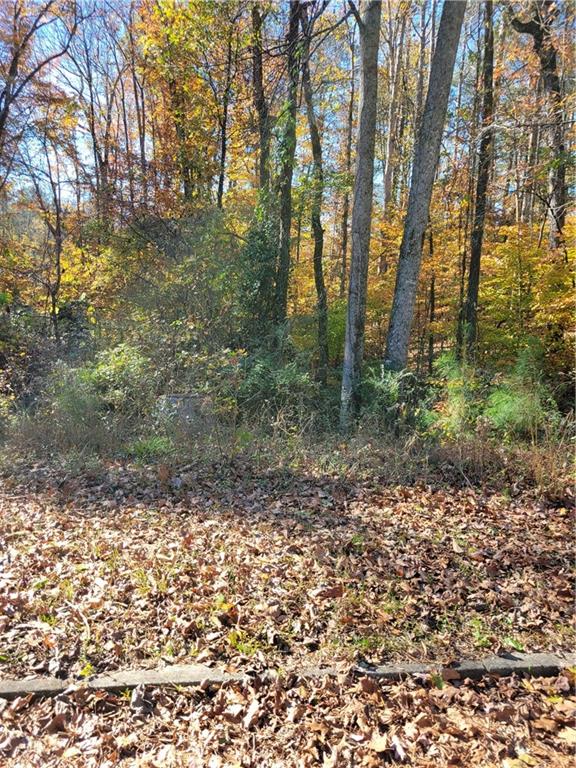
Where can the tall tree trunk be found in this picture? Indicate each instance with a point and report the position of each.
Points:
(316, 208)
(223, 150)
(224, 120)
(399, 175)
(473, 133)
(425, 162)
(431, 305)
(396, 54)
(287, 150)
(529, 174)
(540, 28)
(128, 146)
(260, 102)
(348, 169)
(433, 32)
(184, 162)
(369, 25)
(139, 104)
(484, 158)
(421, 66)
(457, 145)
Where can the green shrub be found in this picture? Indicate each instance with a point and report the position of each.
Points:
(68, 415)
(273, 385)
(122, 380)
(189, 301)
(461, 391)
(93, 407)
(258, 262)
(393, 399)
(69, 395)
(521, 406)
(151, 448)
(517, 405)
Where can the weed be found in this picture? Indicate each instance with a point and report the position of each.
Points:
(48, 618)
(243, 643)
(480, 632)
(151, 448)
(437, 680)
(87, 670)
(142, 581)
(514, 643)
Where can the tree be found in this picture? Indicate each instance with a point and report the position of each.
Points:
(348, 163)
(223, 25)
(426, 156)
(138, 82)
(396, 33)
(484, 158)
(316, 206)
(287, 149)
(184, 43)
(95, 74)
(260, 101)
(162, 110)
(368, 19)
(540, 28)
(45, 167)
(21, 61)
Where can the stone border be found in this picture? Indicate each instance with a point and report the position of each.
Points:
(536, 664)
(505, 665)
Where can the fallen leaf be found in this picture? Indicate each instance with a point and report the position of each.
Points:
(545, 724)
(568, 735)
(328, 593)
(57, 724)
(70, 752)
(399, 749)
(379, 743)
(10, 743)
(251, 715)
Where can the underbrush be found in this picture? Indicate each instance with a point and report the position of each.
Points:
(545, 470)
(462, 426)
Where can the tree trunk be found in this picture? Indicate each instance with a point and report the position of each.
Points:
(287, 149)
(128, 148)
(539, 27)
(484, 157)
(139, 105)
(431, 306)
(421, 66)
(184, 162)
(529, 174)
(316, 208)
(396, 52)
(470, 189)
(348, 168)
(425, 162)
(369, 25)
(457, 144)
(224, 120)
(260, 102)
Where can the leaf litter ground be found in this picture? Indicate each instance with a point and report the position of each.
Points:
(244, 570)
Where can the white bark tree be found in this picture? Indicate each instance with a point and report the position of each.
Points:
(426, 155)
(368, 18)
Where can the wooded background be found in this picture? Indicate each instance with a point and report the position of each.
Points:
(201, 179)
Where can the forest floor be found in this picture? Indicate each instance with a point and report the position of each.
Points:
(250, 571)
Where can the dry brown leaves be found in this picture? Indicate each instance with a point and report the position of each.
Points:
(120, 571)
(266, 571)
(278, 722)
